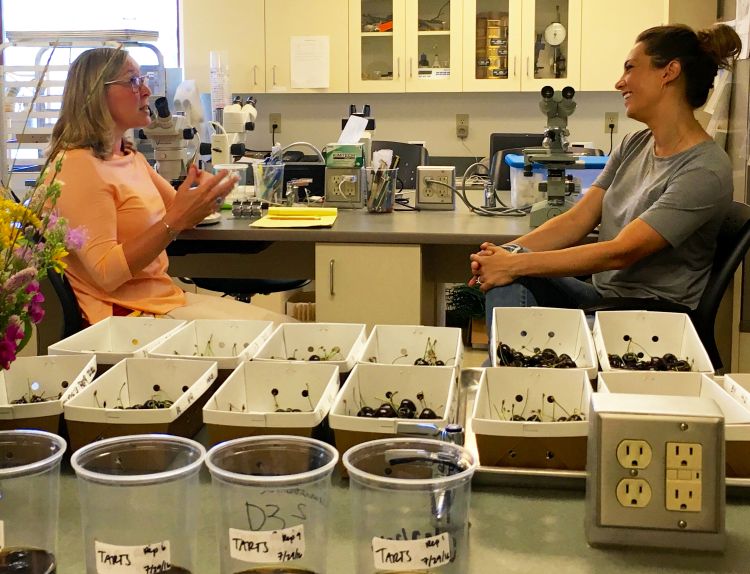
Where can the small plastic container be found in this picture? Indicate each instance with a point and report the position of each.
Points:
(410, 505)
(380, 186)
(269, 181)
(140, 502)
(240, 187)
(29, 479)
(273, 493)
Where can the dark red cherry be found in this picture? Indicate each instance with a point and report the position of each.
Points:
(428, 413)
(366, 412)
(387, 411)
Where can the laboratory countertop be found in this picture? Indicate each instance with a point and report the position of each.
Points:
(512, 530)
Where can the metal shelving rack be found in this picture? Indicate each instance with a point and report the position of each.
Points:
(25, 135)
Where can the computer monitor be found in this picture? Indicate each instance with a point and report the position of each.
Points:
(499, 170)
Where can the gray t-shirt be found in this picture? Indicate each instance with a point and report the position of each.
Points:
(684, 197)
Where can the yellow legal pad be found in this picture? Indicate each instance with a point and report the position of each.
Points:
(297, 217)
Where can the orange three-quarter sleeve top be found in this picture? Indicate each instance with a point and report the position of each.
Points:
(115, 200)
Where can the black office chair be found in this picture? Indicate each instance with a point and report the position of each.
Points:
(244, 289)
(732, 245)
(72, 316)
(410, 156)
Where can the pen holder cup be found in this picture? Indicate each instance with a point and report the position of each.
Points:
(410, 505)
(240, 171)
(269, 181)
(29, 495)
(381, 189)
(274, 493)
(139, 502)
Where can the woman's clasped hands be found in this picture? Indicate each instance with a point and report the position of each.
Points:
(192, 205)
(490, 267)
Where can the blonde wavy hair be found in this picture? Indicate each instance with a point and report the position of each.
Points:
(85, 121)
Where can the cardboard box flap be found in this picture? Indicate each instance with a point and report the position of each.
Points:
(252, 394)
(228, 342)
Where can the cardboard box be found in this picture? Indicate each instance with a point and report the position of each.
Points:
(116, 338)
(367, 385)
(405, 344)
(226, 342)
(49, 376)
(245, 405)
(507, 391)
(100, 410)
(737, 385)
(727, 395)
(651, 333)
(529, 328)
(300, 341)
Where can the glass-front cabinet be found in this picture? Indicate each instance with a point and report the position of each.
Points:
(405, 45)
(512, 45)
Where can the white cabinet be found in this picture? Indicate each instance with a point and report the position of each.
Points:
(512, 45)
(368, 283)
(405, 45)
(317, 20)
(237, 28)
(609, 30)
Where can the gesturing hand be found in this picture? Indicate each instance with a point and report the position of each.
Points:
(192, 205)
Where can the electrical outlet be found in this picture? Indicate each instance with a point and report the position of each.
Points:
(462, 126)
(435, 185)
(610, 118)
(274, 120)
(633, 492)
(634, 453)
(655, 472)
(344, 187)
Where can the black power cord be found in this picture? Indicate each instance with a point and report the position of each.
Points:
(274, 127)
(611, 138)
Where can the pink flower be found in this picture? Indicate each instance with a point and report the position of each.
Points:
(75, 238)
(36, 312)
(14, 331)
(23, 277)
(7, 353)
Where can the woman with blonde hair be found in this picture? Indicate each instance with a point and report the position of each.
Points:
(130, 213)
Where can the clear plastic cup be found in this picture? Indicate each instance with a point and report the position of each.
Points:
(410, 505)
(273, 492)
(29, 497)
(140, 502)
(238, 192)
(380, 185)
(268, 179)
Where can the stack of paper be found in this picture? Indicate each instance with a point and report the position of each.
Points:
(297, 217)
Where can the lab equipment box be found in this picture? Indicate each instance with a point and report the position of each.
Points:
(531, 330)
(274, 397)
(141, 396)
(532, 418)
(737, 385)
(34, 390)
(649, 334)
(116, 338)
(373, 385)
(339, 344)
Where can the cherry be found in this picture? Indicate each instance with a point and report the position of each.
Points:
(387, 411)
(408, 404)
(428, 413)
(314, 358)
(439, 363)
(534, 419)
(420, 361)
(366, 412)
(405, 413)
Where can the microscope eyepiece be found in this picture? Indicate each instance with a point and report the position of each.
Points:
(568, 92)
(162, 107)
(548, 92)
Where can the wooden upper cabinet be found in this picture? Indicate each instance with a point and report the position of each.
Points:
(309, 25)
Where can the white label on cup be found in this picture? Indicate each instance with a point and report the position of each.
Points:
(406, 555)
(267, 546)
(149, 559)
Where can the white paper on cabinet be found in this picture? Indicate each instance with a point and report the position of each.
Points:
(310, 61)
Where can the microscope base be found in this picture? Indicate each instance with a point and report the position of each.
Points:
(544, 210)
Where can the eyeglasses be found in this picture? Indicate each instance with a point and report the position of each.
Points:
(135, 82)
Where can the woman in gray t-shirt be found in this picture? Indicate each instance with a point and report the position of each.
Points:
(659, 201)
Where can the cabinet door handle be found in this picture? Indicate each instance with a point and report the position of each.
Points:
(255, 75)
(514, 66)
(527, 67)
(411, 67)
(273, 71)
(398, 67)
(330, 277)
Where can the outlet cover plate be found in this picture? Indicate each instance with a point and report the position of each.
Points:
(436, 196)
(658, 420)
(344, 187)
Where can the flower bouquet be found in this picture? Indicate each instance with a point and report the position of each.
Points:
(33, 241)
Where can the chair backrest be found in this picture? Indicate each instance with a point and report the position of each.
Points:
(508, 141)
(410, 156)
(732, 245)
(72, 316)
